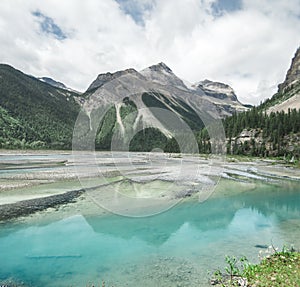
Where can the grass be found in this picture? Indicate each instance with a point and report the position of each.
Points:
(279, 269)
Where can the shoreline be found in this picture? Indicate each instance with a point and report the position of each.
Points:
(48, 185)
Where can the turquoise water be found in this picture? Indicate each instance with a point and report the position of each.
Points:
(175, 248)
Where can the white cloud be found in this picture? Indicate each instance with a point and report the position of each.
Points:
(250, 48)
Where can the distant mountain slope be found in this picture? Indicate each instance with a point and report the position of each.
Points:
(222, 95)
(288, 95)
(77, 95)
(34, 113)
(216, 90)
(53, 83)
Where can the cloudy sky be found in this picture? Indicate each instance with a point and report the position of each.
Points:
(245, 43)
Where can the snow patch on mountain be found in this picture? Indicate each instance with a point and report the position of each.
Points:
(56, 84)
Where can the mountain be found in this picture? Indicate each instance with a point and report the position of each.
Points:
(143, 110)
(220, 95)
(272, 128)
(53, 83)
(34, 114)
(162, 74)
(139, 111)
(56, 84)
(217, 90)
(104, 78)
(293, 74)
(288, 94)
(148, 108)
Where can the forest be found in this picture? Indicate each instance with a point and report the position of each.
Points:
(265, 134)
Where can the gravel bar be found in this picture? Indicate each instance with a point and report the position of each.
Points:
(26, 207)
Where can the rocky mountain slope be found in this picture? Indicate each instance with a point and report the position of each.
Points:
(220, 95)
(152, 105)
(104, 78)
(293, 74)
(34, 113)
(288, 95)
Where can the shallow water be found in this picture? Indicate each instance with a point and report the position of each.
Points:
(174, 248)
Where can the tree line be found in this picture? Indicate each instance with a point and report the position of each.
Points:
(265, 134)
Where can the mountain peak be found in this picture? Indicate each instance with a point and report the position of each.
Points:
(106, 77)
(288, 95)
(160, 67)
(293, 74)
(216, 90)
(162, 74)
(211, 84)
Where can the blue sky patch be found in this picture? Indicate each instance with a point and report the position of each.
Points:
(48, 26)
(221, 6)
(135, 8)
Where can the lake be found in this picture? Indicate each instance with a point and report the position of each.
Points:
(177, 247)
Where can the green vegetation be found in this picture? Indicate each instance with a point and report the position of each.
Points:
(203, 141)
(281, 96)
(278, 269)
(189, 116)
(148, 139)
(274, 134)
(105, 130)
(269, 135)
(34, 114)
(128, 109)
(109, 129)
(11, 129)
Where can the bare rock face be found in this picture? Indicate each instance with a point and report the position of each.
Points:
(288, 95)
(162, 74)
(217, 90)
(106, 77)
(293, 74)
